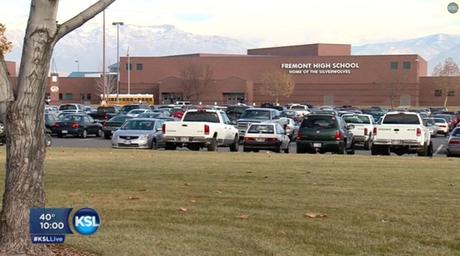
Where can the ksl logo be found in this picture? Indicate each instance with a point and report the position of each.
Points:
(86, 221)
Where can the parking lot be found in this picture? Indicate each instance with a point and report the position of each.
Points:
(439, 144)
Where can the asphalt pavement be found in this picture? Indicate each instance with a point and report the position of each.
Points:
(439, 145)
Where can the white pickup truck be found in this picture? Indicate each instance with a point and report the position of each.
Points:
(201, 128)
(402, 133)
(363, 128)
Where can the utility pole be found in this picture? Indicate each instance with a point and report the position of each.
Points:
(129, 72)
(104, 75)
(118, 24)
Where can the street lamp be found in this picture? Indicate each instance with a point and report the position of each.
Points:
(118, 24)
(78, 65)
(452, 7)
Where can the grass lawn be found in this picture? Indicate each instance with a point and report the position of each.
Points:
(255, 204)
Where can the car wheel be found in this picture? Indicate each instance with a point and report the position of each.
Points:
(351, 150)
(154, 144)
(246, 149)
(60, 135)
(170, 146)
(84, 134)
(107, 135)
(430, 150)
(99, 133)
(341, 149)
(368, 144)
(213, 145)
(286, 150)
(424, 151)
(234, 146)
(277, 149)
(301, 149)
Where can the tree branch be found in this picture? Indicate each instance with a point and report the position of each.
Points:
(81, 18)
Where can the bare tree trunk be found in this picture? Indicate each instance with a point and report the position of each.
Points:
(445, 100)
(25, 143)
(24, 185)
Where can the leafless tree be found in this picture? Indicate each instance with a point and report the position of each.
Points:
(110, 89)
(25, 143)
(277, 84)
(444, 71)
(195, 80)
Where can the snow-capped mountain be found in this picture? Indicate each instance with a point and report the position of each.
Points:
(85, 45)
(433, 48)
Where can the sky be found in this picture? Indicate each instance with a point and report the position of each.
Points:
(269, 22)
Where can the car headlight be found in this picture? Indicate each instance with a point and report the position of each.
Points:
(143, 137)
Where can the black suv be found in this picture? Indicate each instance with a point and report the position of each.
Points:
(325, 133)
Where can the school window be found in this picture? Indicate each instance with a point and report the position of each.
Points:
(129, 66)
(139, 67)
(438, 92)
(451, 93)
(88, 96)
(60, 96)
(406, 65)
(68, 96)
(394, 65)
(82, 96)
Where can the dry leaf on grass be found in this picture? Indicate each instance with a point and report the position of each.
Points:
(218, 192)
(243, 217)
(186, 184)
(133, 198)
(74, 194)
(182, 209)
(315, 215)
(192, 201)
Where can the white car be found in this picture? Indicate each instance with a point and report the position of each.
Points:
(363, 128)
(443, 126)
(301, 110)
(266, 136)
(137, 112)
(201, 128)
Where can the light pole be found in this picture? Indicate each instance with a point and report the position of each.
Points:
(78, 65)
(118, 24)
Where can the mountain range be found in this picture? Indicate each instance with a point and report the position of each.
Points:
(82, 49)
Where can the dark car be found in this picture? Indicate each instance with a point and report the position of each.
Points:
(325, 133)
(110, 126)
(234, 112)
(80, 125)
(104, 113)
(50, 120)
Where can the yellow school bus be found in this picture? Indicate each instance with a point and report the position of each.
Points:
(126, 99)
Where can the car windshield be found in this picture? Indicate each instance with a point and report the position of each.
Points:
(118, 119)
(106, 110)
(202, 116)
(261, 128)
(428, 122)
(456, 133)
(401, 119)
(143, 125)
(298, 107)
(256, 114)
(72, 118)
(67, 107)
(150, 115)
(128, 108)
(356, 119)
(440, 120)
(319, 122)
(446, 117)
